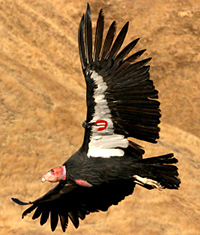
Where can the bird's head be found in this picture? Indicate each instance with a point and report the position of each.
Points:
(54, 175)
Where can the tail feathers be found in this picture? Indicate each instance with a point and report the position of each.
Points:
(158, 172)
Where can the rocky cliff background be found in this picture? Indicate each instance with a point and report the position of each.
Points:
(42, 106)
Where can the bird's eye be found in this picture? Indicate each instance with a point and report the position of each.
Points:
(52, 170)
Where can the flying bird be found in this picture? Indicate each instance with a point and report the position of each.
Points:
(122, 102)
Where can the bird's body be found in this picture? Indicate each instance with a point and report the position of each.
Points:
(122, 102)
(98, 170)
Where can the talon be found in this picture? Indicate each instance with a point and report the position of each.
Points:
(142, 181)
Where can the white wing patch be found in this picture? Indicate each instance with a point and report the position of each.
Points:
(104, 143)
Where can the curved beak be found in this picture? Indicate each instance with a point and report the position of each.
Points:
(43, 179)
(46, 176)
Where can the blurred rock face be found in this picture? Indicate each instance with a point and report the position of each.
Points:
(42, 103)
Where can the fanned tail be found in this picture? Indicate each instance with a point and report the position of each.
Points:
(158, 172)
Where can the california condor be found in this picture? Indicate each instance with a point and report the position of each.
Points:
(121, 103)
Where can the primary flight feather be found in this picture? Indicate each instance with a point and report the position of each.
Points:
(121, 103)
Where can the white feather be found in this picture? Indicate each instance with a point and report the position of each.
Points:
(104, 143)
(106, 153)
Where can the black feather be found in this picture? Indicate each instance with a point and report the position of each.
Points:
(88, 34)
(118, 42)
(134, 76)
(126, 50)
(81, 44)
(135, 56)
(45, 215)
(131, 68)
(108, 41)
(29, 210)
(64, 222)
(98, 36)
(132, 82)
(20, 202)
(54, 219)
(74, 218)
(38, 212)
(81, 214)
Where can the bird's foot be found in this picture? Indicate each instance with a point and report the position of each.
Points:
(145, 181)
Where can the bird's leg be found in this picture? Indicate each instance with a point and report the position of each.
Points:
(143, 180)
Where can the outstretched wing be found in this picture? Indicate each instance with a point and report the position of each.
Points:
(75, 202)
(121, 99)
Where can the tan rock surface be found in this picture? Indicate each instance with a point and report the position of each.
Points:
(42, 106)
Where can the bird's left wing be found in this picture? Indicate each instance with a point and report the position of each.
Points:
(50, 204)
(120, 96)
(75, 202)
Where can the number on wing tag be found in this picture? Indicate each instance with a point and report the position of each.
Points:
(101, 124)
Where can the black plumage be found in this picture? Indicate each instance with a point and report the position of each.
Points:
(121, 103)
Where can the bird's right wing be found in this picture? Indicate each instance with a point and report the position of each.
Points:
(121, 98)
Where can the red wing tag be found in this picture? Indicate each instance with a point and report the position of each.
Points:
(102, 124)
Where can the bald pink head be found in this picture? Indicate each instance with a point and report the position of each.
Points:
(54, 175)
